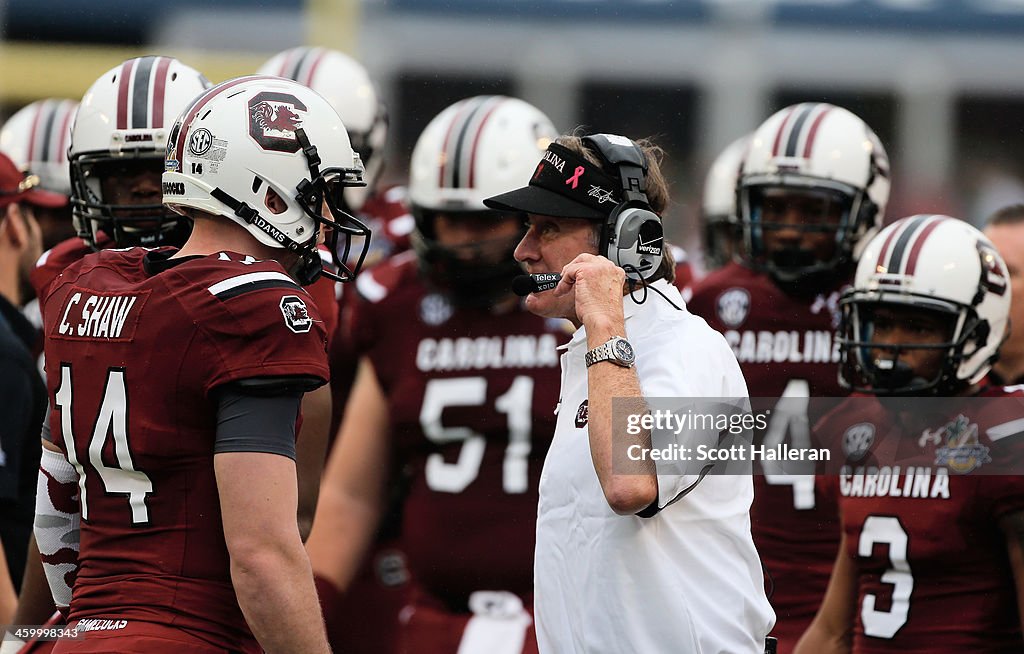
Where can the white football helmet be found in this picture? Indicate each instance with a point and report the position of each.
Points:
(250, 135)
(36, 139)
(929, 262)
(347, 86)
(821, 148)
(124, 118)
(718, 206)
(474, 149)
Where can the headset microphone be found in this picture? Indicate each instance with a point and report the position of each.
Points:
(523, 285)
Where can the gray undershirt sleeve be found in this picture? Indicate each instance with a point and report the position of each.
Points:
(256, 423)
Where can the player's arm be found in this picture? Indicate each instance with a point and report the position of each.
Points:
(310, 450)
(1013, 527)
(254, 462)
(831, 631)
(352, 494)
(55, 535)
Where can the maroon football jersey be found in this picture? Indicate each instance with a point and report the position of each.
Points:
(471, 397)
(386, 213)
(55, 260)
(134, 350)
(786, 347)
(933, 573)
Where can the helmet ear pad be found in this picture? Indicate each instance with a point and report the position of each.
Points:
(635, 240)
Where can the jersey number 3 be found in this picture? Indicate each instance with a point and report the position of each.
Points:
(887, 530)
(111, 421)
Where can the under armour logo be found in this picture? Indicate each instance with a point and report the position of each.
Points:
(575, 179)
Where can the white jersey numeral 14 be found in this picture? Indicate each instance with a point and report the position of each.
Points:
(111, 421)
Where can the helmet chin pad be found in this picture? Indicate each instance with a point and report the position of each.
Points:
(892, 375)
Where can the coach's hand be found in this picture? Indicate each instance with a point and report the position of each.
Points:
(598, 285)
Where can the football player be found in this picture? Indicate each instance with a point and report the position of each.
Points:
(116, 157)
(180, 550)
(814, 185)
(118, 139)
(453, 397)
(36, 138)
(931, 556)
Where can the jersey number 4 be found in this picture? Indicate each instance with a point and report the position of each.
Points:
(111, 421)
(516, 403)
(790, 419)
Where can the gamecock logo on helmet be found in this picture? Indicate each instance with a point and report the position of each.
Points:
(993, 279)
(273, 119)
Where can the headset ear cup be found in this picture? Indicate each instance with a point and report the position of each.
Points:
(637, 242)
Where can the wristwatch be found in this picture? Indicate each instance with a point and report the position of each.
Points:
(616, 349)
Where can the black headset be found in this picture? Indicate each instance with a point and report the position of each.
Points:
(632, 237)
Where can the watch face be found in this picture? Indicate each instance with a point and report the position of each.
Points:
(623, 350)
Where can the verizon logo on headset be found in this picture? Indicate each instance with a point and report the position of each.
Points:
(650, 239)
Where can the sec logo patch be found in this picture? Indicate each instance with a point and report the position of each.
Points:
(733, 306)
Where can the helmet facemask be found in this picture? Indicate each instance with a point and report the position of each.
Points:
(474, 275)
(128, 224)
(876, 367)
(799, 261)
(814, 147)
(119, 136)
(320, 189)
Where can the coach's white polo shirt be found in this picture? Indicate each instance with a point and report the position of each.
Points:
(685, 581)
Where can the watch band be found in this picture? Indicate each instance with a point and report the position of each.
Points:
(609, 351)
(600, 353)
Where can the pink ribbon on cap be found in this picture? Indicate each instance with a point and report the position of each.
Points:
(575, 179)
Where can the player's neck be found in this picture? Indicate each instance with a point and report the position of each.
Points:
(212, 235)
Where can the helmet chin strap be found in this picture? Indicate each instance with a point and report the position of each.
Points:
(253, 217)
(307, 269)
